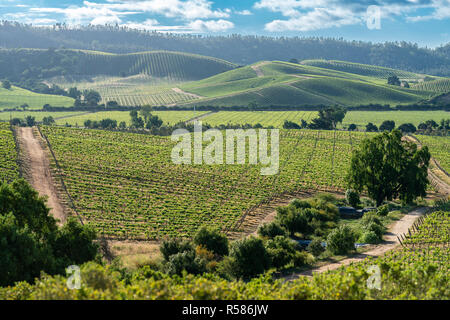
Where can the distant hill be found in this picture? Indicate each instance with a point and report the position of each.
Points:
(239, 49)
(16, 97)
(25, 64)
(279, 83)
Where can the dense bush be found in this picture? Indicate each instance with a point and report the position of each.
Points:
(249, 258)
(271, 230)
(185, 261)
(281, 250)
(30, 241)
(212, 240)
(171, 247)
(352, 198)
(315, 247)
(341, 240)
(383, 210)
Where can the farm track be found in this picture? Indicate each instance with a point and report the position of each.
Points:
(390, 242)
(193, 95)
(37, 170)
(257, 69)
(200, 117)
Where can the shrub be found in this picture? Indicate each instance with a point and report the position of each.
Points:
(174, 246)
(370, 217)
(341, 240)
(281, 251)
(250, 258)
(292, 219)
(377, 228)
(383, 210)
(185, 261)
(302, 258)
(352, 197)
(369, 237)
(212, 240)
(271, 230)
(315, 247)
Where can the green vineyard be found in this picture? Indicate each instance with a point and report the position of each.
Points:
(9, 169)
(129, 187)
(439, 149)
(440, 85)
(362, 69)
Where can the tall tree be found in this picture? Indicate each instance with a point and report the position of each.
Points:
(389, 168)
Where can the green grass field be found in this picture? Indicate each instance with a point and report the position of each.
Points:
(38, 115)
(362, 118)
(439, 148)
(265, 118)
(168, 117)
(16, 97)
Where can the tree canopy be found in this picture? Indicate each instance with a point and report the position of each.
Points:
(388, 167)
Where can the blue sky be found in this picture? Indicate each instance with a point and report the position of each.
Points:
(426, 22)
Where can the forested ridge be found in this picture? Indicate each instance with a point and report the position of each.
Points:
(235, 48)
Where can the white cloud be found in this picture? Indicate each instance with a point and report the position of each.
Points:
(319, 18)
(307, 15)
(244, 13)
(211, 25)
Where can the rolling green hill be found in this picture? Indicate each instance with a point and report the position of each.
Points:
(363, 69)
(287, 84)
(16, 97)
(20, 64)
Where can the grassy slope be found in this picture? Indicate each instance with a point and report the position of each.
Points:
(288, 84)
(361, 118)
(15, 97)
(169, 117)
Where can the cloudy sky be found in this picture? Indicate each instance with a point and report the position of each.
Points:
(426, 22)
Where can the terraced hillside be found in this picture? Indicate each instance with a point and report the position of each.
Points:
(281, 84)
(16, 97)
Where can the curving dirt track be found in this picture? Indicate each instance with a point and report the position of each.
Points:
(390, 241)
(37, 171)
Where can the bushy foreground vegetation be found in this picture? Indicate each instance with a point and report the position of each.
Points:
(31, 241)
(404, 274)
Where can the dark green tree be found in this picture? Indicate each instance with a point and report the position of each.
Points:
(6, 84)
(394, 80)
(388, 167)
(387, 125)
(212, 240)
(370, 127)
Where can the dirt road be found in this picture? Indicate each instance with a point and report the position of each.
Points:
(257, 69)
(389, 243)
(37, 171)
(193, 95)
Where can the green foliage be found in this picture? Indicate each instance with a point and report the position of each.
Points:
(249, 258)
(22, 254)
(370, 127)
(387, 125)
(352, 198)
(185, 261)
(28, 208)
(383, 210)
(30, 240)
(174, 246)
(315, 247)
(271, 230)
(328, 118)
(281, 250)
(407, 128)
(388, 167)
(6, 84)
(369, 237)
(341, 240)
(212, 240)
(74, 243)
(394, 80)
(47, 121)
